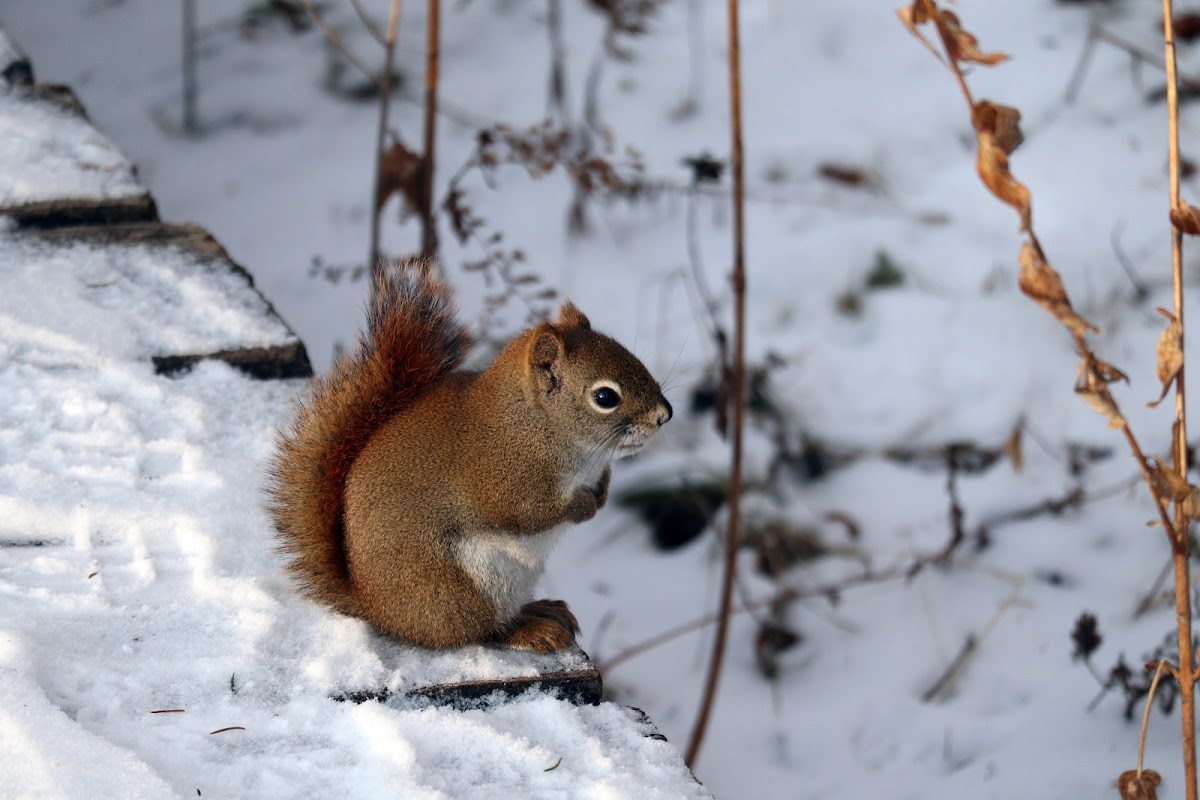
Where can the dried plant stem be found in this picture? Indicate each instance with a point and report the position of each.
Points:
(190, 123)
(432, 56)
(969, 648)
(695, 92)
(1163, 664)
(828, 591)
(558, 64)
(1144, 466)
(1191, 84)
(336, 39)
(385, 94)
(369, 24)
(1186, 671)
(733, 534)
(1081, 66)
(997, 133)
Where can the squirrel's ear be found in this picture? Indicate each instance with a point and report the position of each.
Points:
(570, 317)
(545, 359)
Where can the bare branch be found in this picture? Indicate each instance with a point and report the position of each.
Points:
(336, 39)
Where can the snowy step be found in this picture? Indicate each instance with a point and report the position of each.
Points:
(58, 169)
(167, 294)
(463, 677)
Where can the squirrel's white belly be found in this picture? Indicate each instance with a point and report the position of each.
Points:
(506, 566)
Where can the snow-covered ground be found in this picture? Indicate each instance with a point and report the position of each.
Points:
(954, 354)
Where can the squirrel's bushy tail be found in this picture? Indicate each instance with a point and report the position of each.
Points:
(412, 340)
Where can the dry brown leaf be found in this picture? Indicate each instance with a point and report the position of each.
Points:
(1013, 448)
(1191, 503)
(1004, 122)
(1133, 786)
(1045, 287)
(1169, 484)
(1102, 403)
(991, 162)
(399, 171)
(921, 11)
(1107, 372)
(1186, 219)
(1091, 384)
(1170, 354)
(961, 46)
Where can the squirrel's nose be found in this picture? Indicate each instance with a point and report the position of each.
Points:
(665, 412)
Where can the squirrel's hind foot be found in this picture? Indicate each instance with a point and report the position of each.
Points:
(543, 626)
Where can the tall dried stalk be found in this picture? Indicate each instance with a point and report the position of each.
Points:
(1181, 549)
(385, 94)
(432, 56)
(557, 110)
(998, 134)
(191, 124)
(737, 389)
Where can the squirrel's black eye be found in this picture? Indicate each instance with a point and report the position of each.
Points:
(606, 398)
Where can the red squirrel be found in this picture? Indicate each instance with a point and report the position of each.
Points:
(425, 498)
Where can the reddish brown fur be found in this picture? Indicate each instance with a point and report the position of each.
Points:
(413, 495)
(413, 340)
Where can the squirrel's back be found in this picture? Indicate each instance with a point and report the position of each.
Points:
(413, 340)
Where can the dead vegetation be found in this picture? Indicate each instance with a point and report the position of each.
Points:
(997, 129)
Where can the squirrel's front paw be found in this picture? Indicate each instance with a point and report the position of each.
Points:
(544, 626)
(585, 502)
(601, 490)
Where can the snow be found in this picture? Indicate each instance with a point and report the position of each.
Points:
(131, 301)
(49, 153)
(151, 484)
(138, 576)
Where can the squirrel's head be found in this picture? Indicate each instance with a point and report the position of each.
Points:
(592, 388)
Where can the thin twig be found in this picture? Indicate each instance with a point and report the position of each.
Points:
(432, 58)
(558, 64)
(188, 55)
(696, 263)
(1162, 665)
(336, 39)
(1149, 599)
(733, 537)
(969, 648)
(1191, 84)
(385, 94)
(957, 534)
(1051, 505)
(696, 54)
(1141, 290)
(1144, 466)
(370, 25)
(830, 591)
(970, 645)
(1085, 60)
